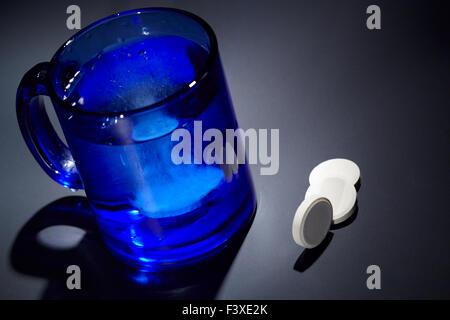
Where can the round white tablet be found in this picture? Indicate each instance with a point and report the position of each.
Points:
(341, 194)
(340, 168)
(312, 221)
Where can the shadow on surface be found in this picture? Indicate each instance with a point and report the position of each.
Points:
(102, 276)
(358, 184)
(309, 256)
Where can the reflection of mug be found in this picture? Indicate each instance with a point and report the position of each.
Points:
(120, 87)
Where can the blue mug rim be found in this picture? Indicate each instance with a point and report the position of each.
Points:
(199, 78)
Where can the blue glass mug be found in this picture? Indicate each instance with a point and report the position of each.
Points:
(120, 88)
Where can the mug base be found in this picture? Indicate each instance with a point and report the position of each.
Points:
(180, 257)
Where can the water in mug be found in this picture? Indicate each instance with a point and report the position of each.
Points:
(145, 202)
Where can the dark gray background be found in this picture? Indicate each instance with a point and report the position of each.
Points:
(334, 89)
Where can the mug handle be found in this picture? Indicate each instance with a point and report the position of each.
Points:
(40, 136)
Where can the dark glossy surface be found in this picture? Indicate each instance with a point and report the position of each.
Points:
(333, 88)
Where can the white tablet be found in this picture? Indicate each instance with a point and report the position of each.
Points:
(312, 221)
